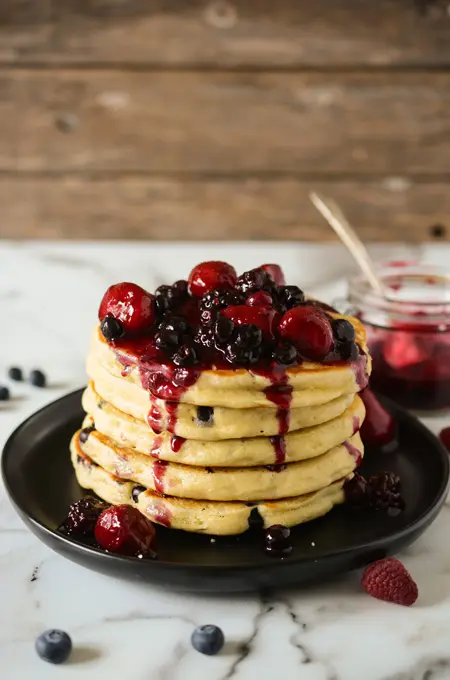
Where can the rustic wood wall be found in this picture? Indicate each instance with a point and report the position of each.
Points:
(170, 119)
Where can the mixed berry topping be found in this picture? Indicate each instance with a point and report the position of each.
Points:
(219, 319)
(123, 529)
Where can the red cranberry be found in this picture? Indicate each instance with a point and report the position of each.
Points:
(259, 299)
(131, 305)
(310, 331)
(378, 428)
(262, 317)
(209, 275)
(123, 529)
(275, 272)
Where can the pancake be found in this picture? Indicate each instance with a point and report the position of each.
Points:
(223, 423)
(310, 383)
(205, 517)
(299, 445)
(223, 484)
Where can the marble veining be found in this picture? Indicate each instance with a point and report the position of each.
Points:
(49, 293)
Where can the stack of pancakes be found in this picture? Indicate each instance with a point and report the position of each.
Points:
(205, 454)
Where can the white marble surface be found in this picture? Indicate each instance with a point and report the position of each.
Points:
(49, 294)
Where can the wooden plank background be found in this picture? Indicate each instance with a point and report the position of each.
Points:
(198, 120)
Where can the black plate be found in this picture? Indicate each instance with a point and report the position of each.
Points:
(41, 483)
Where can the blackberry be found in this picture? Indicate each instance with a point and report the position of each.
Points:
(185, 356)
(384, 489)
(219, 299)
(254, 280)
(204, 337)
(288, 297)
(277, 541)
(223, 330)
(207, 317)
(356, 492)
(343, 330)
(242, 356)
(248, 336)
(83, 514)
(168, 297)
(174, 324)
(285, 354)
(165, 340)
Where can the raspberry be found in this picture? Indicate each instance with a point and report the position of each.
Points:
(131, 305)
(389, 580)
(262, 317)
(209, 275)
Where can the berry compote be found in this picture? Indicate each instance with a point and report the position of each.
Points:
(408, 334)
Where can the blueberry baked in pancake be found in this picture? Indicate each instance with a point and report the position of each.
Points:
(221, 396)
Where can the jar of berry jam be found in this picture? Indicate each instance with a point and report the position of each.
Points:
(408, 333)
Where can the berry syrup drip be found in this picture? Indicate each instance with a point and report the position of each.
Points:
(275, 468)
(161, 514)
(356, 424)
(360, 370)
(159, 469)
(155, 451)
(162, 380)
(354, 452)
(279, 446)
(154, 418)
(279, 393)
(176, 443)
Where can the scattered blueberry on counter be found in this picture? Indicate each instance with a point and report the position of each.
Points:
(4, 393)
(15, 373)
(37, 378)
(54, 646)
(208, 639)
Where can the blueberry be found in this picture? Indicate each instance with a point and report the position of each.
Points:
(289, 297)
(111, 328)
(15, 373)
(4, 393)
(254, 280)
(277, 541)
(85, 432)
(208, 639)
(343, 330)
(137, 490)
(205, 414)
(54, 646)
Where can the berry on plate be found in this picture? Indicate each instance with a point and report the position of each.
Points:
(389, 580)
(54, 646)
(210, 275)
(208, 639)
(15, 373)
(37, 378)
(130, 304)
(123, 529)
(309, 330)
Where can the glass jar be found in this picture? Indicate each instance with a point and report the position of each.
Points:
(408, 333)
